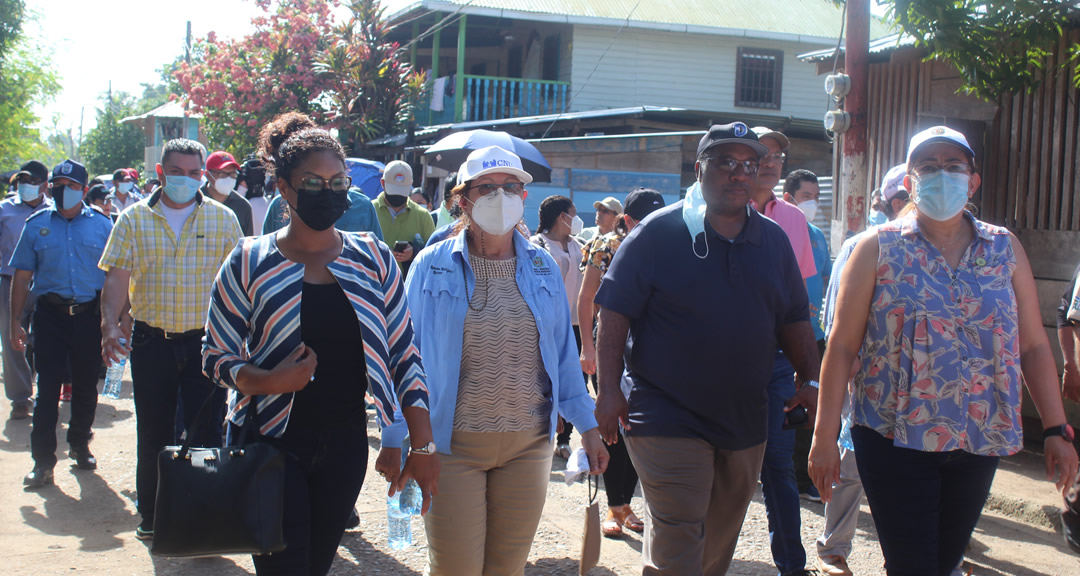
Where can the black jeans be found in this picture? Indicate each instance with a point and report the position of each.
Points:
(324, 470)
(62, 339)
(162, 369)
(925, 504)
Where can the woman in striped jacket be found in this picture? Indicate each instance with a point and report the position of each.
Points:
(289, 312)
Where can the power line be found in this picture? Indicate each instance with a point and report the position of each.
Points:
(625, 25)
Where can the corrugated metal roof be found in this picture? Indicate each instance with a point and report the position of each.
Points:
(880, 46)
(788, 18)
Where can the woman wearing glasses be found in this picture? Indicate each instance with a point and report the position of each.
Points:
(288, 313)
(492, 321)
(941, 313)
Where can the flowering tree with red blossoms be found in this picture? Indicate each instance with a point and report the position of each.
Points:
(240, 85)
(347, 76)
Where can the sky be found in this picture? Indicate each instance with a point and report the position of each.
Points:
(126, 42)
(123, 41)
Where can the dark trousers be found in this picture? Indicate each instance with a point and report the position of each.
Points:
(162, 369)
(803, 438)
(323, 474)
(568, 428)
(925, 504)
(778, 475)
(620, 477)
(62, 339)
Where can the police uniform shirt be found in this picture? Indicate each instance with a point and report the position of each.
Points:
(63, 254)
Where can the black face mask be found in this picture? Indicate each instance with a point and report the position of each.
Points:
(396, 201)
(319, 210)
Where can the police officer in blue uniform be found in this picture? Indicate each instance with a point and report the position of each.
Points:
(56, 259)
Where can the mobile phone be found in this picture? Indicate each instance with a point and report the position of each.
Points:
(795, 417)
(400, 246)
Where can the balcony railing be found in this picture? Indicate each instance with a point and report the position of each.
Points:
(493, 98)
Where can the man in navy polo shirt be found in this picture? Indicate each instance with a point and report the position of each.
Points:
(708, 288)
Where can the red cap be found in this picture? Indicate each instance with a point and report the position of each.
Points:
(134, 174)
(221, 160)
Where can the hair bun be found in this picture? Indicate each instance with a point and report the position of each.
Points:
(278, 130)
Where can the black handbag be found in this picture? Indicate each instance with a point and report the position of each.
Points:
(214, 501)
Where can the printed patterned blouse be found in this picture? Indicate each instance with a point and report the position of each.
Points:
(599, 251)
(941, 356)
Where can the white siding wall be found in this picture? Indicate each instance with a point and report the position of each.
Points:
(695, 71)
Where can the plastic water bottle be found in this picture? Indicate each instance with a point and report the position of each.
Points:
(114, 375)
(401, 507)
(399, 524)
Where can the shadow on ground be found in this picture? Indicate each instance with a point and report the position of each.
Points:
(562, 566)
(66, 515)
(367, 558)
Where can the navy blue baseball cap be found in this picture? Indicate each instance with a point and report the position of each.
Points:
(734, 133)
(35, 170)
(642, 202)
(71, 170)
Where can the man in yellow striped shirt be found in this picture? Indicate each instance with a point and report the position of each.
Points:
(162, 257)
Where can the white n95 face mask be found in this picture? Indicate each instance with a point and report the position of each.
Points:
(498, 213)
(224, 185)
(809, 208)
(576, 225)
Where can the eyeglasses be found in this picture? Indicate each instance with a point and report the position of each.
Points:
(509, 187)
(777, 158)
(313, 184)
(928, 169)
(725, 164)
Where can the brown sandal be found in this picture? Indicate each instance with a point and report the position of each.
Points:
(631, 521)
(612, 527)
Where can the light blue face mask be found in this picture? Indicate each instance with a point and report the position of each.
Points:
(877, 218)
(29, 192)
(180, 189)
(693, 214)
(941, 195)
(125, 187)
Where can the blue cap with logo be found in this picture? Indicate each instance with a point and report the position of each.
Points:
(71, 170)
(734, 133)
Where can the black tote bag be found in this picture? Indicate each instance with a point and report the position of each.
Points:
(214, 501)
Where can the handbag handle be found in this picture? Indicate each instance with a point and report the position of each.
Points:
(246, 430)
(593, 484)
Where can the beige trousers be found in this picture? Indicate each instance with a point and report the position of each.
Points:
(491, 494)
(695, 501)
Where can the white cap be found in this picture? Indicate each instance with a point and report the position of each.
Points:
(397, 178)
(893, 182)
(492, 159)
(938, 134)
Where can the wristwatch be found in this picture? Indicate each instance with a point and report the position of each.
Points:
(425, 450)
(1064, 430)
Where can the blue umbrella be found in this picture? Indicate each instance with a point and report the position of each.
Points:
(366, 175)
(450, 152)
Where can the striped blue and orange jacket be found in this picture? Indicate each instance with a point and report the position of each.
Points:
(255, 318)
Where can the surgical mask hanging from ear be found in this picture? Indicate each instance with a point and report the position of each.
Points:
(693, 215)
(942, 195)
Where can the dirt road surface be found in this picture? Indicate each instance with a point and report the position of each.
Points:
(85, 524)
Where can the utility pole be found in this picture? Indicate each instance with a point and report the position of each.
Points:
(852, 204)
(187, 44)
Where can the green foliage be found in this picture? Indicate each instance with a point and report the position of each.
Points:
(26, 79)
(12, 13)
(1000, 46)
(110, 144)
(373, 90)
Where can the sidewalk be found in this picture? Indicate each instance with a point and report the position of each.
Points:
(1021, 492)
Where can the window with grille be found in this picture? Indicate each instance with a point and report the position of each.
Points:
(758, 78)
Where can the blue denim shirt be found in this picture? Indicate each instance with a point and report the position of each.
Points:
(436, 288)
(360, 217)
(63, 254)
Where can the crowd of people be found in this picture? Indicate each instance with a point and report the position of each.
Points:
(276, 290)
